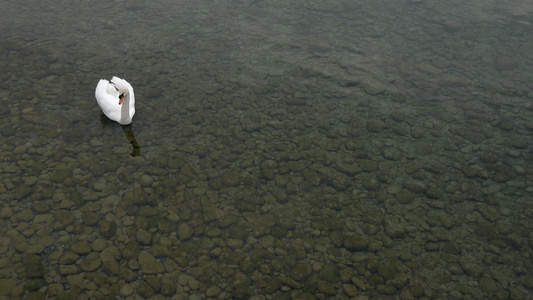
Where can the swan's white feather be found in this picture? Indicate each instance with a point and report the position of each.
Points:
(107, 96)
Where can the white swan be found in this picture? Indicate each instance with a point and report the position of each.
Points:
(117, 100)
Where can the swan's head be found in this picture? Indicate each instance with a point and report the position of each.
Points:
(122, 92)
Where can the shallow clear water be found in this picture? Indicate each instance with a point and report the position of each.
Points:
(313, 149)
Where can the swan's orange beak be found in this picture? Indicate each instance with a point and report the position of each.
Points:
(120, 99)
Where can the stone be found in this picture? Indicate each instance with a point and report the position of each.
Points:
(330, 273)
(128, 274)
(273, 285)
(266, 220)
(433, 192)
(234, 244)
(266, 241)
(188, 280)
(149, 264)
(34, 266)
(6, 285)
(472, 269)
(394, 230)
(488, 212)
(505, 63)
(184, 231)
(91, 218)
(415, 186)
(30, 180)
(336, 237)
(100, 186)
(238, 232)
(516, 292)
(6, 212)
(301, 271)
(242, 292)
(514, 240)
(213, 291)
(126, 290)
(311, 176)
(168, 288)
(144, 237)
(488, 285)
(430, 261)
(326, 288)
(354, 243)
(166, 226)
(350, 290)
(417, 290)
(35, 249)
(98, 245)
(91, 263)
(211, 213)
(43, 219)
(405, 196)
(75, 280)
(81, 247)
(130, 250)
(145, 290)
(367, 165)
(35, 284)
(19, 149)
(349, 169)
(374, 88)
(65, 270)
(21, 191)
(62, 219)
(61, 175)
(398, 116)
(110, 201)
(107, 229)
(68, 258)
(110, 267)
(146, 180)
(154, 282)
(231, 178)
(338, 180)
(25, 215)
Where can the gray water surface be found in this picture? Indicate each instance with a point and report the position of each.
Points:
(286, 150)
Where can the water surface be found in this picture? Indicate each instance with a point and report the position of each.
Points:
(306, 150)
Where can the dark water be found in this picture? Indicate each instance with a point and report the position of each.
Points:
(306, 150)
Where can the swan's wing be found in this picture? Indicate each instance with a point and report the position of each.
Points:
(107, 101)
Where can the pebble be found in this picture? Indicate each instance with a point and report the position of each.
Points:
(187, 280)
(144, 237)
(6, 212)
(212, 291)
(146, 180)
(301, 271)
(91, 262)
(98, 245)
(126, 290)
(355, 243)
(184, 231)
(68, 258)
(487, 284)
(25, 215)
(235, 244)
(149, 264)
(81, 247)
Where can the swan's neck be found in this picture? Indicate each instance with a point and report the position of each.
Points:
(125, 110)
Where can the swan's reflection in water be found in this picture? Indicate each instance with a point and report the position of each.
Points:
(128, 132)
